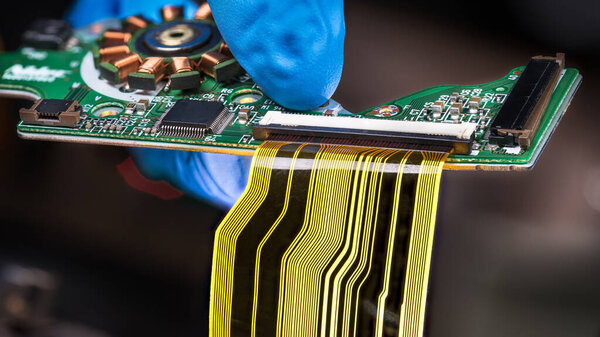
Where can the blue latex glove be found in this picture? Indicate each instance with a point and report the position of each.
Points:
(292, 49)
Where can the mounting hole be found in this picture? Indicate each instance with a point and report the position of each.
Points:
(246, 96)
(108, 110)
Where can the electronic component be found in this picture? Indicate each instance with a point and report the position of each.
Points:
(458, 136)
(224, 49)
(454, 97)
(386, 110)
(143, 53)
(194, 119)
(219, 66)
(52, 112)
(520, 115)
(437, 108)
(203, 12)
(139, 107)
(48, 34)
(109, 53)
(142, 105)
(119, 68)
(115, 37)
(243, 115)
(455, 110)
(149, 73)
(474, 104)
(170, 13)
(183, 76)
(135, 22)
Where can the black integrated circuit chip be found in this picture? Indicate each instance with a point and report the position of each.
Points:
(193, 119)
(48, 34)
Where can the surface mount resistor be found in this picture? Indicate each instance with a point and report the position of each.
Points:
(474, 104)
(455, 110)
(454, 97)
(437, 108)
(243, 115)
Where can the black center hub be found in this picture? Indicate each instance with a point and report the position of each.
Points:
(177, 38)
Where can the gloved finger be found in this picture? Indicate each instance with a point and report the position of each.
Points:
(292, 49)
(218, 179)
(84, 12)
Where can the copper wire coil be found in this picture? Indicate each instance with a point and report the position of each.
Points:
(170, 13)
(203, 12)
(127, 64)
(224, 49)
(115, 37)
(180, 64)
(210, 60)
(153, 65)
(135, 22)
(111, 52)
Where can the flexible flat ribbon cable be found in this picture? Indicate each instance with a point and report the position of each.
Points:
(327, 241)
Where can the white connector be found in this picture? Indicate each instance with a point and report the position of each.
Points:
(458, 130)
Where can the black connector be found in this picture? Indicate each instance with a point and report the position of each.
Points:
(520, 114)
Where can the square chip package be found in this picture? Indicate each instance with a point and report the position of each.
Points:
(194, 119)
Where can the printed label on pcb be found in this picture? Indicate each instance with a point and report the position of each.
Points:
(32, 73)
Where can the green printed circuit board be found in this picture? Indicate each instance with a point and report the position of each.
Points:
(84, 96)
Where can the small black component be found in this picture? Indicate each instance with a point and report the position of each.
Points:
(186, 80)
(518, 118)
(48, 34)
(52, 112)
(193, 119)
(142, 81)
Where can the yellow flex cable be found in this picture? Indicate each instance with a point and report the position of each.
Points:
(327, 241)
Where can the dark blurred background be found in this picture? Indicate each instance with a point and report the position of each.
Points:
(516, 254)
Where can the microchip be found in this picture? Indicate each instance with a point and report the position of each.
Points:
(194, 119)
(52, 112)
(48, 34)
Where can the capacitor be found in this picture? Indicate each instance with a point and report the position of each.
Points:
(243, 115)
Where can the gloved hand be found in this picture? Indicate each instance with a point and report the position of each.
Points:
(292, 49)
